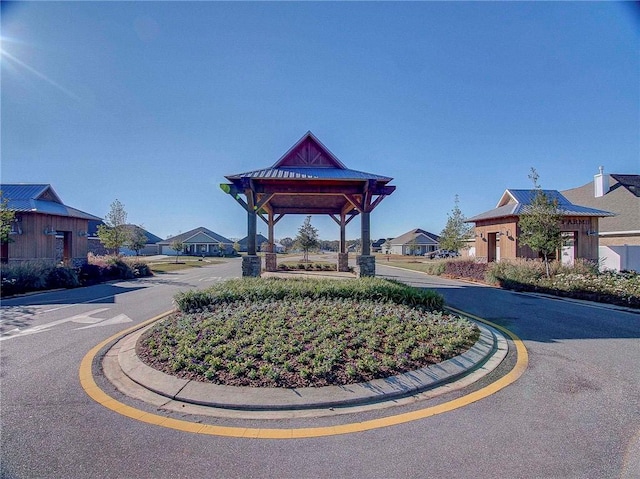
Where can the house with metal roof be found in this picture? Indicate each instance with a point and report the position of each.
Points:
(416, 242)
(44, 228)
(497, 230)
(198, 242)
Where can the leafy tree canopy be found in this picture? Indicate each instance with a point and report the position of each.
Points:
(307, 238)
(6, 218)
(114, 233)
(456, 232)
(540, 224)
(137, 239)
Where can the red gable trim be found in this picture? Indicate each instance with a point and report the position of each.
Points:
(309, 152)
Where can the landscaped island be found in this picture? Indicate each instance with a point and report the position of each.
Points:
(304, 333)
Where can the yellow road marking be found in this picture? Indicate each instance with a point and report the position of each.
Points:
(93, 390)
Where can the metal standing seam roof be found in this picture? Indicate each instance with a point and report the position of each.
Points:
(24, 198)
(522, 205)
(309, 173)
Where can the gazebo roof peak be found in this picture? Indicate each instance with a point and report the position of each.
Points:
(307, 152)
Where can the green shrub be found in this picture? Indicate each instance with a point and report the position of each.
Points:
(260, 289)
(303, 341)
(24, 277)
(511, 273)
(90, 274)
(581, 280)
(140, 269)
(62, 277)
(36, 276)
(466, 269)
(40, 275)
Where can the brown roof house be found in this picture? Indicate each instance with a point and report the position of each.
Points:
(416, 242)
(619, 235)
(44, 228)
(198, 242)
(497, 231)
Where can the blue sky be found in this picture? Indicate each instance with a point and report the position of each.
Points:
(153, 103)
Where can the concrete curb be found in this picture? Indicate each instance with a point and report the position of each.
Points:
(490, 343)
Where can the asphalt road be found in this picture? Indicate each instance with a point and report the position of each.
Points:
(575, 412)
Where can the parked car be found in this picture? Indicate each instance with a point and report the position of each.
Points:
(442, 253)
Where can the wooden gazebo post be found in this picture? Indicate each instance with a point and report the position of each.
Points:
(309, 180)
(251, 264)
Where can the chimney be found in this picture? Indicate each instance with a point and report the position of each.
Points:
(600, 183)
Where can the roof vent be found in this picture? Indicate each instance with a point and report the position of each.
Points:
(601, 183)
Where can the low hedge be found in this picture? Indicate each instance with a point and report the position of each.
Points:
(307, 267)
(260, 289)
(38, 276)
(581, 281)
(468, 269)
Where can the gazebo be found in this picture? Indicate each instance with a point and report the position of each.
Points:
(308, 179)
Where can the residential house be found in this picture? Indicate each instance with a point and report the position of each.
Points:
(260, 239)
(497, 231)
(44, 228)
(198, 242)
(416, 242)
(619, 235)
(378, 245)
(97, 248)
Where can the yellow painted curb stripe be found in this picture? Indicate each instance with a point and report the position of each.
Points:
(98, 395)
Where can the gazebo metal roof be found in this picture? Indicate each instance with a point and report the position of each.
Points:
(308, 179)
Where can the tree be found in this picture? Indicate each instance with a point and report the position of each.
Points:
(177, 245)
(456, 232)
(287, 243)
(540, 224)
(6, 218)
(114, 233)
(307, 238)
(137, 239)
(413, 246)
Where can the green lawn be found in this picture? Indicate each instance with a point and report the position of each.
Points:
(184, 262)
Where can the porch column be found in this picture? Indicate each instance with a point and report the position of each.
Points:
(270, 262)
(365, 262)
(365, 233)
(343, 256)
(251, 264)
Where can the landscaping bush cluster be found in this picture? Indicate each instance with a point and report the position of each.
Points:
(307, 267)
(299, 333)
(581, 280)
(258, 289)
(466, 269)
(38, 275)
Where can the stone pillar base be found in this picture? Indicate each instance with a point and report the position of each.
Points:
(343, 262)
(270, 263)
(366, 265)
(251, 266)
